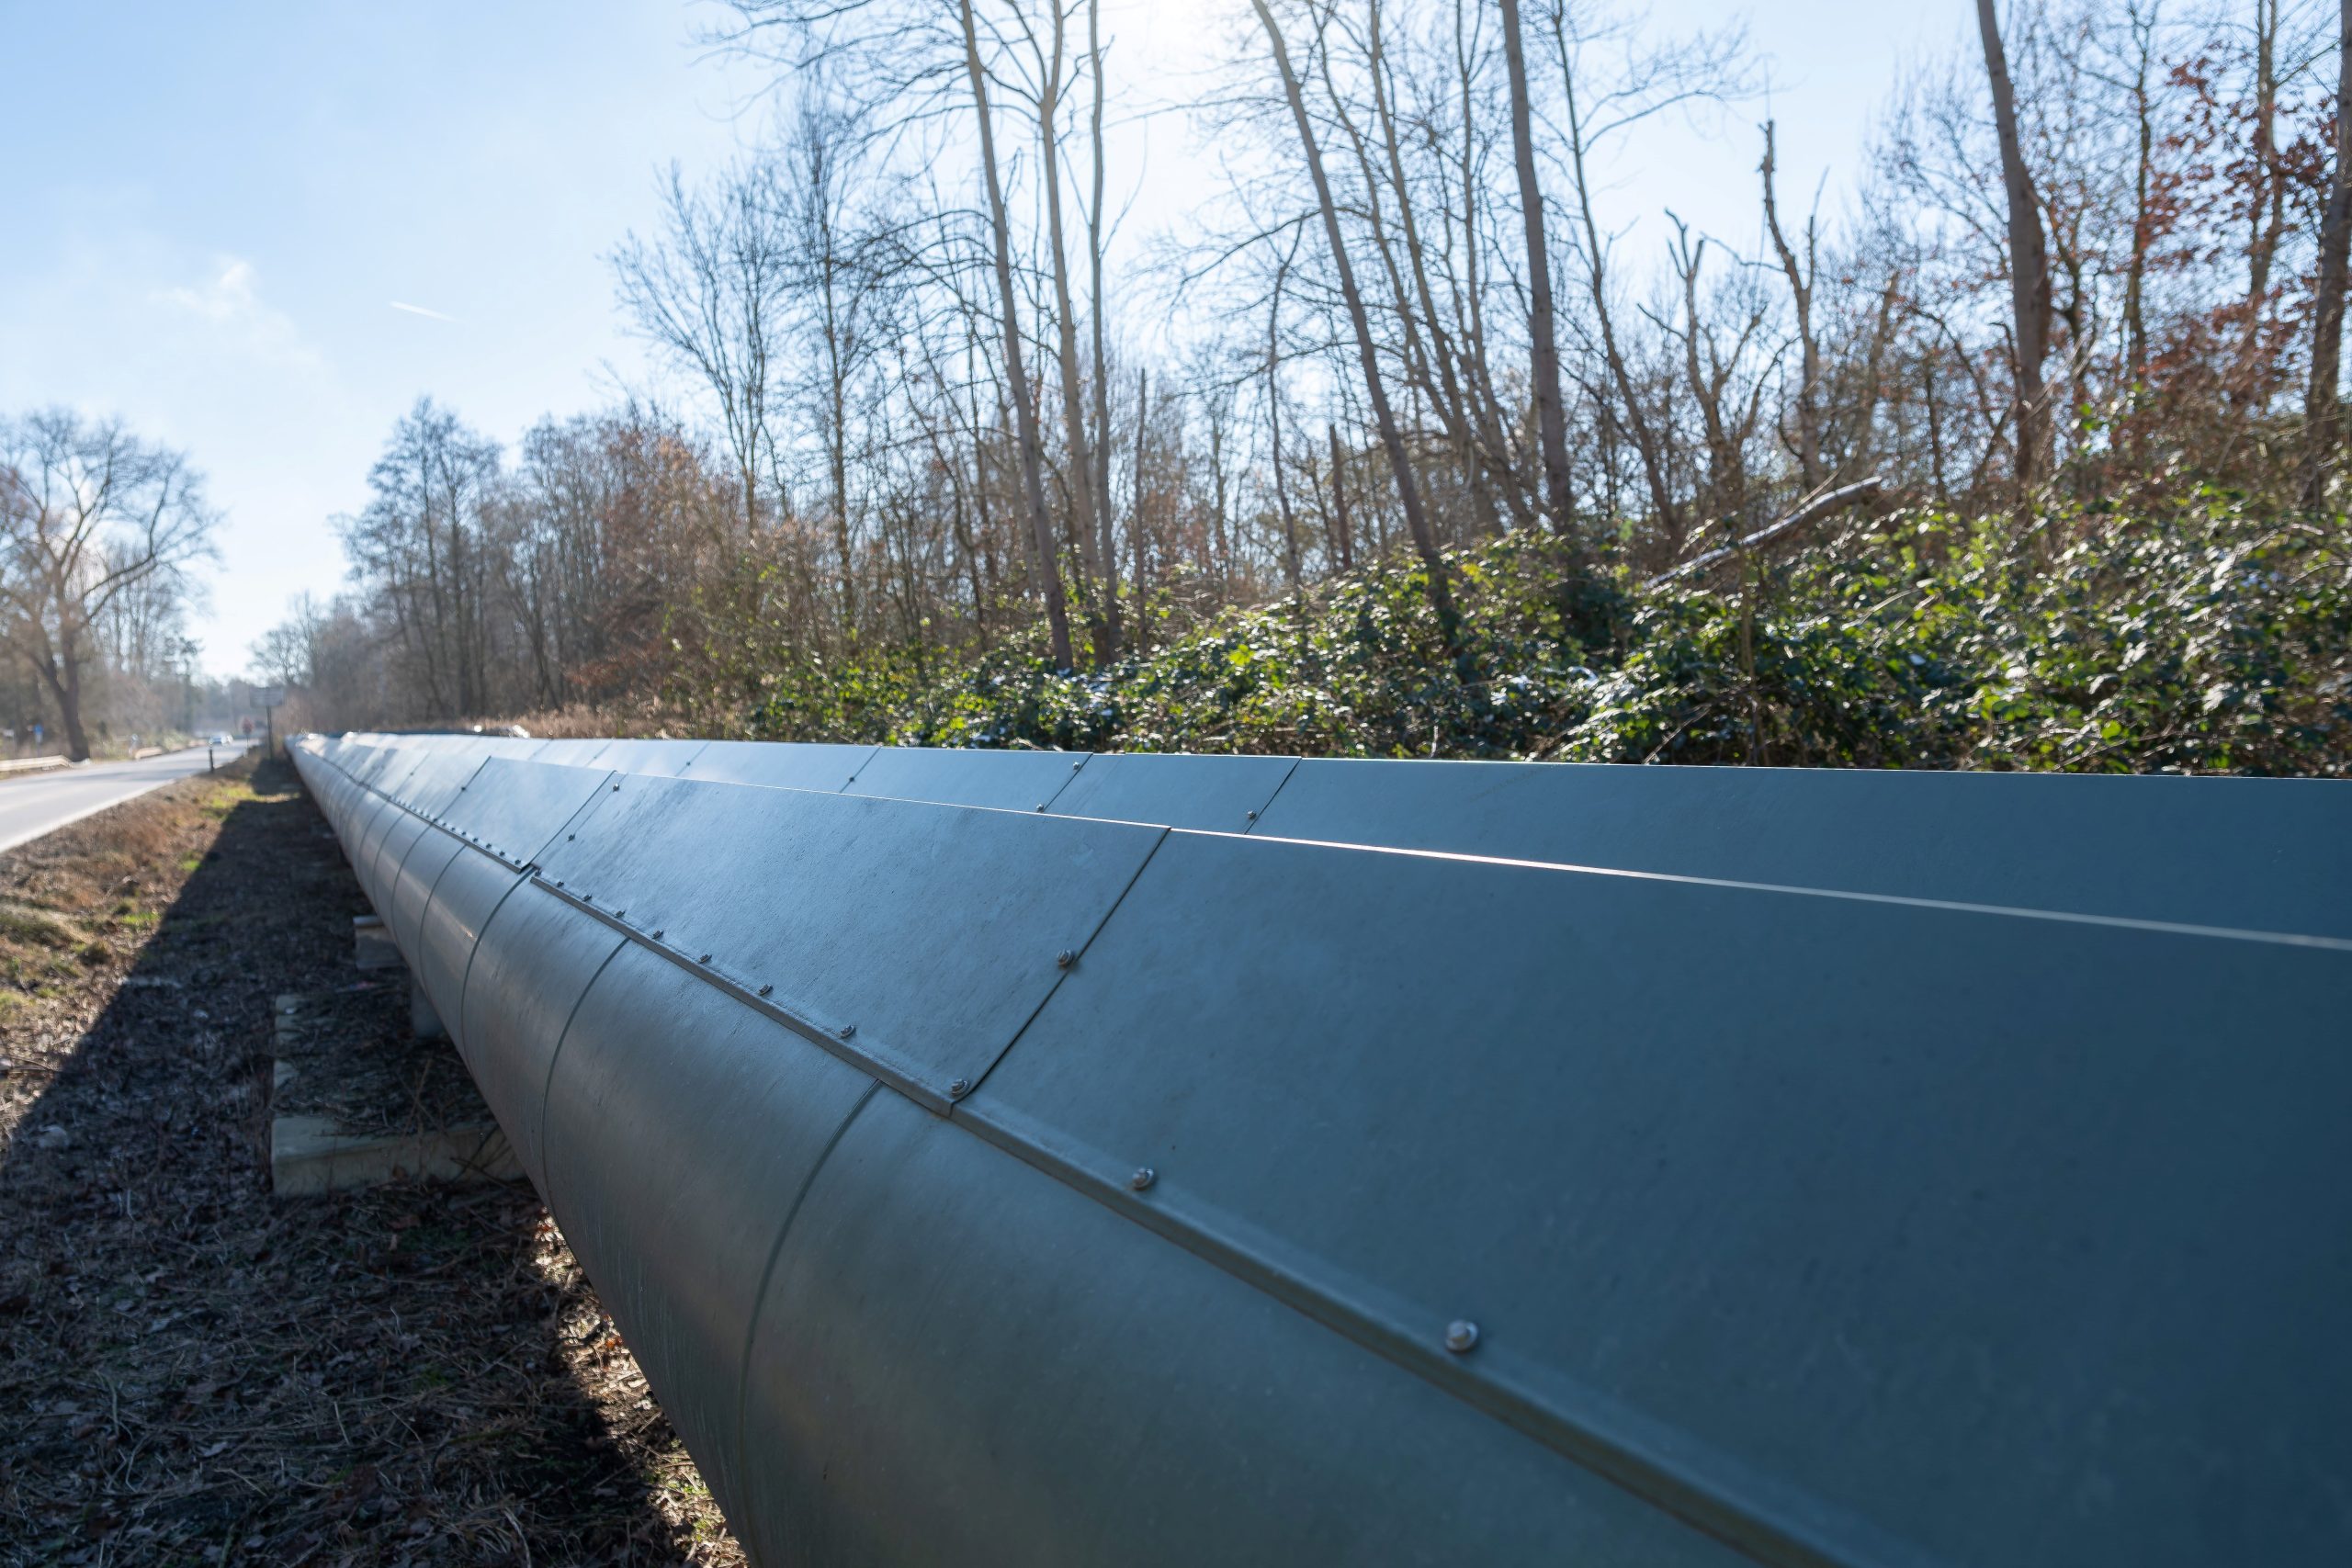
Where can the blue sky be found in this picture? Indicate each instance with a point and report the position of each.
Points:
(213, 210)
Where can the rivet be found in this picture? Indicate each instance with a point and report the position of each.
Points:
(1253, 817)
(587, 898)
(1064, 958)
(616, 789)
(959, 1089)
(569, 836)
(846, 1031)
(558, 883)
(618, 914)
(657, 935)
(1075, 766)
(1144, 1177)
(704, 959)
(1461, 1335)
(1041, 806)
(765, 989)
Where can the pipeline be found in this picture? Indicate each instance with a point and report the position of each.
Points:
(1038, 1158)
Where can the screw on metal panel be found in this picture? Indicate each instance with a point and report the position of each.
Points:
(1064, 958)
(587, 898)
(558, 883)
(658, 935)
(765, 989)
(847, 1030)
(704, 959)
(959, 1089)
(1144, 1177)
(616, 789)
(569, 836)
(1461, 1335)
(1075, 766)
(1253, 817)
(1041, 806)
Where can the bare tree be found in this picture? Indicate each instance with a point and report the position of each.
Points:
(89, 513)
(1543, 353)
(2322, 408)
(2029, 265)
(1409, 495)
(710, 292)
(1016, 376)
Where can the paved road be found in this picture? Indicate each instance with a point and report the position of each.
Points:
(34, 803)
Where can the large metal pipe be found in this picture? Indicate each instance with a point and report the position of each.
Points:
(1024, 1186)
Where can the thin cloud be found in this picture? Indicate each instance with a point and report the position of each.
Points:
(421, 310)
(232, 307)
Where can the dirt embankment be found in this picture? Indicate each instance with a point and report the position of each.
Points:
(193, 1371)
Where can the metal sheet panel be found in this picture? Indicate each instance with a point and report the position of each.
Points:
(530, 970)
(437, 780)
(513, 809)
(724, 1114)
(920, 937)
(570, 752)
(393, 846)
(408, 886)
(366, 818)
(2257, 854)
(961, 1360)
(1883, 1232)
(777, 765)
(663, 759)
(464, 898)
(1004, 780)
(1215, 795)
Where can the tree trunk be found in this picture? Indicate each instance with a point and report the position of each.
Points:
(2029, 265)
(1544, 352)
(1799, 276)
(1032, 480)
(1081, 466)
(1408, 495)
(1346, 544)
(2322, 410)
(1110, 546)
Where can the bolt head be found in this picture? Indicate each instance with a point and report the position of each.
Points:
(959, 1089)
(558, 883)
(765, 989)
(704, 959)
(658, 935)
(1253, 817)
(848, 1030)
(1461, 1335)
(1144, 1177)
(1064, 958)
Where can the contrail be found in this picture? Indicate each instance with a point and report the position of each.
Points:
(421, 310)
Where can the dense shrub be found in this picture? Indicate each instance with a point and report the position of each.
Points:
(2202, 638)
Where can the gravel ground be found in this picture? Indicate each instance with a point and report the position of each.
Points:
(193, 1371)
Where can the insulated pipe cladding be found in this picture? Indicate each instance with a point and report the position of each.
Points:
(1029, 1159)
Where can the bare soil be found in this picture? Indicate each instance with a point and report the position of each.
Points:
(193, 1371)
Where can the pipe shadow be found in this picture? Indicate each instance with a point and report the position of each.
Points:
(192, 1370)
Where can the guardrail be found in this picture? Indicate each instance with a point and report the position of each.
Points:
(33, 765)
(1022, 1158)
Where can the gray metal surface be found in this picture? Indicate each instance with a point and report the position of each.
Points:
(529, 971)
(1000, 1186)
(513, 809)
(920, 936)
(961, 1360)
(1005, 781)
(657, 1062)
(817, 767)
(465, 895)
(1218, 794)
(2261, 855)
(1835, 1225)
(665, 758)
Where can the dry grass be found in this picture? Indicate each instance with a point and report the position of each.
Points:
(192, 1371)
